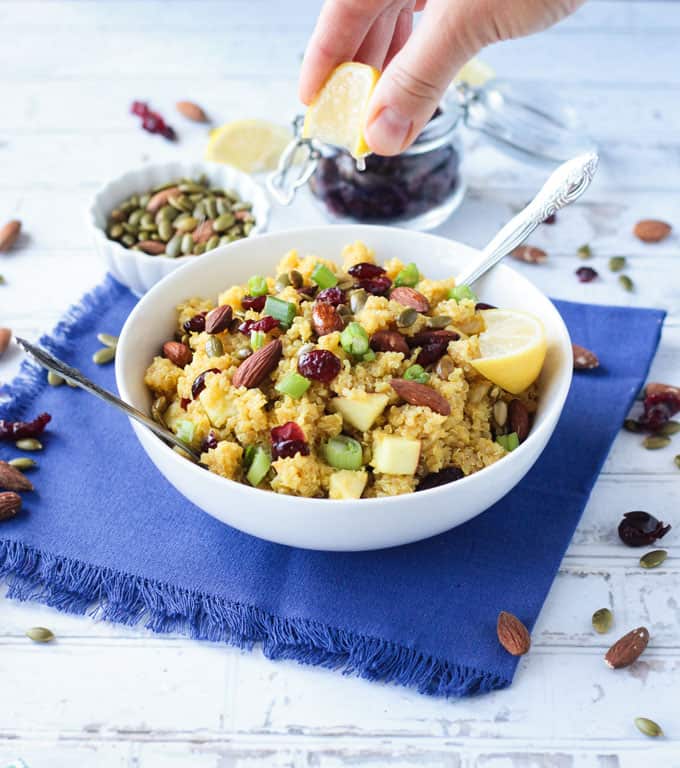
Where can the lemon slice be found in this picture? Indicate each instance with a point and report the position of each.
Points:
(252, 146)
(474, 73)
(338, 113)
(513, 349)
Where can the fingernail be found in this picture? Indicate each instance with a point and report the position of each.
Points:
(388, 132)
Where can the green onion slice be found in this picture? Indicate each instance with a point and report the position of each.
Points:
(354, 340)
(293, 384)
(417, 373)
(343, 452)
(323, 277)
(461, 292)
(283, 311)
(257, 285)
(259, 466)
(409, 276)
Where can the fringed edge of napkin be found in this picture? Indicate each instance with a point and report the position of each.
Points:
(81, 588)
(73, 586)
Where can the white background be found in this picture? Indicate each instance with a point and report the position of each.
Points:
(107, 696)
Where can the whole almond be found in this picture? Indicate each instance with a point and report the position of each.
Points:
(218, 319)
(152, 247)
(203, 232)
(5, 338)
(409, 297)
(420, 394)
(255, 369)
(10, 504)
(651, 230)
(9, 234)
(657, 388)
(518, 418)
(389, 341)
(529, 254)
(160, 199)
(325, 318)
(626, 650)
(584, 359)
(512, 634)
(178, 353)
(192, 111)
(11, 479)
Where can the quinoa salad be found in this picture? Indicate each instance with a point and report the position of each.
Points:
(339, 381)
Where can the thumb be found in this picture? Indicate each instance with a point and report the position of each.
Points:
(411, 87)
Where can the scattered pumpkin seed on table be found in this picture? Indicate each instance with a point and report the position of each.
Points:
(632, 425)
(669, 428)
(584, 252)
(40, 634)
(617, 263)
(54, 379)
(104, 355)
(654, 442)
(654, 558)
(677, 461)
(602, 620)
(23, 463)
(626, 283)
(29, 444)
(648, 727)
(107, 339)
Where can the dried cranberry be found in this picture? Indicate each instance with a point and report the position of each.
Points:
(550, 219)
(195, 324)
(448, 475)
(291, 430)
(365, 270)
(638, 529)
(661, 404)
(430, 337)
(264, 324)
(287, 440)
(210, 442)
(378, 286)
(139, 108)
(19, 430)
(586, 274)
(332, 296)
(152, 121)
(431, 352)
(320, 365)
(199, 382)
(184, 403)
(483, 305)
(256, 303)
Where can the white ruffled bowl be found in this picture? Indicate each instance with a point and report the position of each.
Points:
(138, 270)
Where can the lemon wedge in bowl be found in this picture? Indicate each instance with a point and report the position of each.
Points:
(513, 349)
(338, 113)
(252, 146)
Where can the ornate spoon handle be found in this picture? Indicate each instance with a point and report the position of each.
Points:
(73, 375)
(565, 185)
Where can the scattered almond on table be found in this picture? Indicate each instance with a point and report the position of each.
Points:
(512, 634)
(652, 230)
(628, 649)
(584, 359)
(9, 234)
(192, 111)
(529, 254)
(5, 338)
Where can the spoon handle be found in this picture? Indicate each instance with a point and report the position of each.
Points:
(566, 184)
(73, 375)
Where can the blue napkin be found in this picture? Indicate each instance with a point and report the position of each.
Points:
(105, 533)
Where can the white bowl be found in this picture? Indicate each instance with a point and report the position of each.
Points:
(322, 523)
(138, 270)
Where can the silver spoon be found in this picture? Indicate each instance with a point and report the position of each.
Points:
(566, 184)
(74, 376)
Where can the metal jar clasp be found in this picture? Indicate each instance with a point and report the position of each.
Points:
(296, 166)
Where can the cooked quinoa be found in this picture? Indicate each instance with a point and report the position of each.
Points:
(353, 435)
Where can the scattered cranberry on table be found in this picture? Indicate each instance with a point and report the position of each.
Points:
(639, 529)
(20, 430)
(586, 274)
(152, 121)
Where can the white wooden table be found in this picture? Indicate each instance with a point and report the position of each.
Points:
(107, 696)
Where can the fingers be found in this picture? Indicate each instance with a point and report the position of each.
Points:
(339, 32)
(402, 32)
(412, 85)
(377, 42)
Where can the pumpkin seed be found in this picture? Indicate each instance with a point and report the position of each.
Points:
(617, 263)
(648, 727)
(670, 428)
(104, 355)
(210, 207)
(224, 240)
(445, 367)
(116, 231)
(167, 213)
(357, 299)
(223, 222)
(344, 311)
(212, 243)
(135, 217)
(602, 620)
(117, 215)
(247, 228)
(23, 463)
(222, 206)
(144, 200)
(143, 235)
(130, 229)
(54, 379)
(147, 221)
(2, 280)
(40, 634)
(187, 244)
(174, 246)
(186, 225)
(632, 425)
(282, 282)
(243, 353)
(107, 339)
(165, 230)
(158, 408)
(296, 279)
(190, 187)
(213, 347)
(304, 349)
(241, 206)
(626, 283)
(128, 240)
(198, 249)
(677, 461)
(181, 203)
(654, 442)
(500, 413)
(654, 558)
(29, 444)
(407, 318)
(439, 321)
(584, 252)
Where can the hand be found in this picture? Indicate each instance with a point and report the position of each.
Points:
(417, 68)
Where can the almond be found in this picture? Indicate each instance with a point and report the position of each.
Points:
(409, 297)
(177, 353)
(192, 111)
(10, 504)
(204, 231)
(161, 198)
(651, 230)
(529, 254)
(255, 369)
(657, 388)
(389, 341)
(218, 319)
(584, 359)
(512, 634)
(5, 338)
(626, 650)
(420, 394)
(11, 479)
(9, 234)
(518, 417)
(152, 247)
(325, 318)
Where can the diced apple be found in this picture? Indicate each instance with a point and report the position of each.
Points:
(394, 455)
(347, 484)
(361, 409)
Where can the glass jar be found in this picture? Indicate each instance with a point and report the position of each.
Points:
(423, 186)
